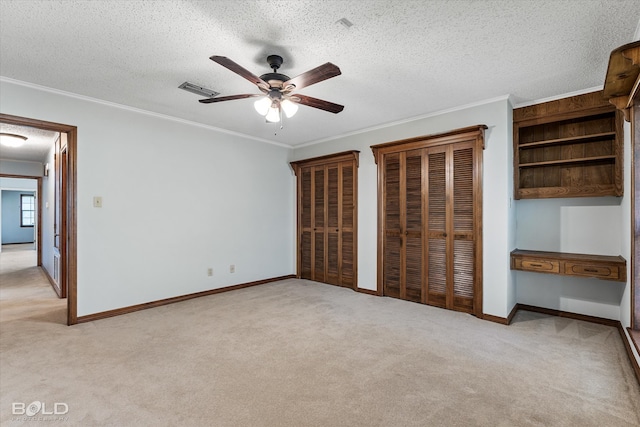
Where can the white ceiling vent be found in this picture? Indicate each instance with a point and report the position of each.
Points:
(199, 90)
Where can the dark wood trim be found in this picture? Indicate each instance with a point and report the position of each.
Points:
(502, 320)
(54, 285)
(569, 315)
(496, 319)
(635, 215)
(39, 211)
(433, 140)
(635, 339)
(71, 205)
(367, 291)
(153, 304)
(328, 158)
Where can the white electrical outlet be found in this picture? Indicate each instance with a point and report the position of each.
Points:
(209, 271)
(232, 268)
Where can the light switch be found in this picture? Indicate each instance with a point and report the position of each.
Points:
(97, 202)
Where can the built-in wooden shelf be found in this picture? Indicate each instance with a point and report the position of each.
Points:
(569, 264)
(594, 159)
(569, 140)
(571, 147)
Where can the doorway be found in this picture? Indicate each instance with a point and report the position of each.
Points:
(21, 216)
(65, 233)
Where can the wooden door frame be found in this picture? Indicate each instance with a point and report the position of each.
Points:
(71, 254)
(39, 212)
(635, 215)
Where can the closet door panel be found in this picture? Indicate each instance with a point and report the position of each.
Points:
(333, 223)
(436, 211)
(347, 228)
(305, 199)
(463, 275)
(319, 257)
(305, 256)
(391, 267)
(348, 196)
(392, 238)
(305, 214)
(347, 278)
(463, 227)
(318, 224)
(413, 253)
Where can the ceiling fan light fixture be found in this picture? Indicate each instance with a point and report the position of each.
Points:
(262, 105)
(289, 107)
(12, 140)
(273, 115)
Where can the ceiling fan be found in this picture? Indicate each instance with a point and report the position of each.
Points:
(277, 96)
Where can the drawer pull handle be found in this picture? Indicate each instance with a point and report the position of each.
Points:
(535, 265)
(590, 270)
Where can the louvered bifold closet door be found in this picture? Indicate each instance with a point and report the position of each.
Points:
(392, 227)
(347, 228)
(319, 222)
(436, 211)
(463, 227)
(305, 223)
(412, 280)
(333, 224)
(327, 200)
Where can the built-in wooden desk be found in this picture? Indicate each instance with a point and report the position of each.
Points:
(568, 264)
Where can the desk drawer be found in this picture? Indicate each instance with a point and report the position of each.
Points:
(538, 265)
(611, 272)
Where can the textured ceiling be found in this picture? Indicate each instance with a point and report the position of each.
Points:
(400, 59)
(36, 148)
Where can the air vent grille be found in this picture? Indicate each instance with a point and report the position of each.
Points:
(199, 90)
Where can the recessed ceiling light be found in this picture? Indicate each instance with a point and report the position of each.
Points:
(12, 140)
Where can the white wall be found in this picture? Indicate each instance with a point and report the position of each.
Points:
(47, 204)
(177, 199)
(499, 224)
(17, 168)
(12, 167)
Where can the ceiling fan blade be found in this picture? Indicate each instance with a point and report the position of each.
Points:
(318, 74)
(227, 98)
(242, 72)
(317, 103)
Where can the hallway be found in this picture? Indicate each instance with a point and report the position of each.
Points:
(25, 292)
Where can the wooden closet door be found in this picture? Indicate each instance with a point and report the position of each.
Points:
(319, 203)
(411, 222)
(403, 226)
(332, 235)
(462, 227)
(429, 219)
(348, 225)
(305, 223)
(436, 212)
(392, 244)
(327, 218)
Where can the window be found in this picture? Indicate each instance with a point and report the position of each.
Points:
(27, 210)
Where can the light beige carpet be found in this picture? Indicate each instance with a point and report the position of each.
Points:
(298, 353)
